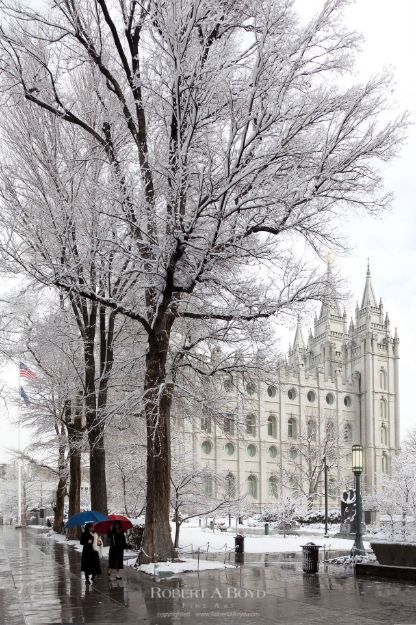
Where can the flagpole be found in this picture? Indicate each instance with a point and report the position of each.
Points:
(19, 461)
(19, 475)
(24, 372)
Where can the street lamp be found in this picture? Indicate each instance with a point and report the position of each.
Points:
(357, 468)
(326, 494)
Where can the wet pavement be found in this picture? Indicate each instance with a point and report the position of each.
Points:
(40, 584)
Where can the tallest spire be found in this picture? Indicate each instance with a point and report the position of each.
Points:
(369, 298)
(330, 303)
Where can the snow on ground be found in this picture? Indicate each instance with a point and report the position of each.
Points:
(186, 565)
(350, 561)
(207, 541)
(192, 538)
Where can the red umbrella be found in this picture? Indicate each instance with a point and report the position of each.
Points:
(105, 526)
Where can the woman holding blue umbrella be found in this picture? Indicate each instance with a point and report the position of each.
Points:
(90, 561)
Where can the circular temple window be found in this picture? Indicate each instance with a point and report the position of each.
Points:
(229, 449)
(206, 447)
(250, 388)
(272, 451)
(291, 393)
(311, 396)
(347, 401)
(330, 399)
(271, 391)
(251, 450)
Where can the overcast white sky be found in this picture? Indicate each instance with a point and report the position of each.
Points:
(389, 29)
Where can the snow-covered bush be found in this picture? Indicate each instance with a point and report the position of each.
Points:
(317, 516)
(285, 512)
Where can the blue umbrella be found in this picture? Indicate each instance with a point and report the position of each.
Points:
(90, 516)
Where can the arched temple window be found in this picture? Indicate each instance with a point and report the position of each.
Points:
(252, 486)
(230, 486)
(273, 487)
(291, 427)
(312, 429)
(347, 433)
(251, 424)
(207, 485)
(272, 426)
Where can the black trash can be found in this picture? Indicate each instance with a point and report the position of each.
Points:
(310, 558)
(239, 548)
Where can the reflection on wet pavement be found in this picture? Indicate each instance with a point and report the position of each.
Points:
(40, 584)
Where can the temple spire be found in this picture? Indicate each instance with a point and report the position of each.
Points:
(369, 298)
(330, 303)
(299, 342)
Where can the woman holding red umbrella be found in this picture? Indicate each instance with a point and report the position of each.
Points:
(117, 546)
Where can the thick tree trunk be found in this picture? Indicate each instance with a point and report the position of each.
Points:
(95, 428)
(58, 508)
(157, 540)
(74, 489)
(97, 470)
(75, 439)
(62, 483)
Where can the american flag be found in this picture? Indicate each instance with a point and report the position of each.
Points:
(25, 372)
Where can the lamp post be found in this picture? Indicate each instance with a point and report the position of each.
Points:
(357, 468)
(326, 494)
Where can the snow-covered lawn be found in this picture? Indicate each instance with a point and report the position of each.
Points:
(192, 538)
(186, 565)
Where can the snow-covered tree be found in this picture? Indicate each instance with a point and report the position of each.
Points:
(197, 491)
(286, 510)
(221, 137)
(311, 448)
(397, 496)
(44, 340)
(62, 189)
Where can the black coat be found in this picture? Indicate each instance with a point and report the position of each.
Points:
(90, 561)
(117, 546)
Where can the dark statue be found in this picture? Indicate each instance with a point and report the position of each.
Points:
(348, 511)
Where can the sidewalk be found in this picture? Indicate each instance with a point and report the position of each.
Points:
(40, 584)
